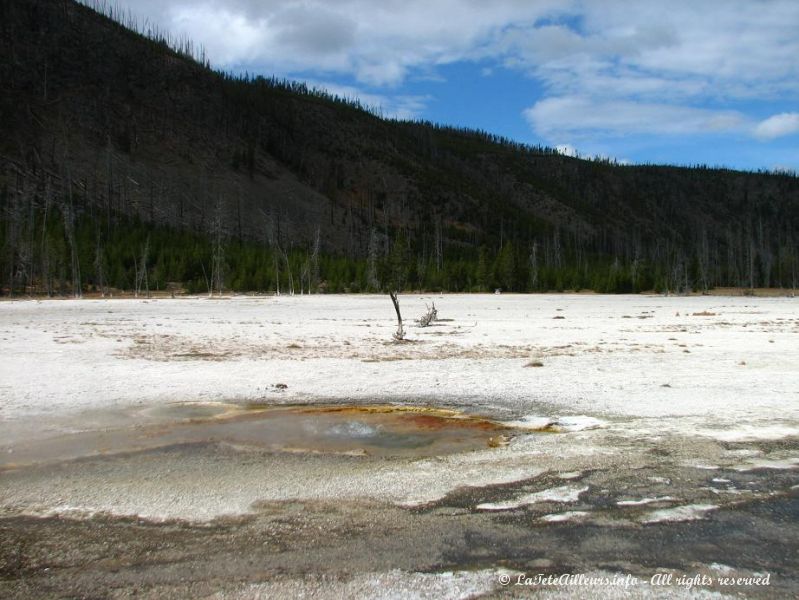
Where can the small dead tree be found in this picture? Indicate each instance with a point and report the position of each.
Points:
(98, 264)
(429, 316)
(69, 229)
(313, 275)
(142, 280)
(398, 275)
(288, 269)
(371, 263)
(399, 335)
(217, 251)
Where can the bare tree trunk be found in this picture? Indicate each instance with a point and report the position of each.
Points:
(534, 266)
(207, 281)
(276, 261)
(46, 246)
(371, 262)
(218, 252)
(98, 265)
(273, 237)
(313, 276)
(142, 270)
(439, 244)
(704, 262)
(399, 335)
(305, 276)
(69, 226)
(217, 267)
(288, 270)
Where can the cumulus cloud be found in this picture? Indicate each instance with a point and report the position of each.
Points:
(778, 126)
(646, 46)
(377, 43)
(227, 36)
(576, 117)
(656, 68)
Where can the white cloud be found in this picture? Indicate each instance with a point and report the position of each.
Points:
(778, 126)
(579, 117)
(566, 149)
(226, 36)
(377, 43)
(400, 106)
(655, 69)
(681, 46)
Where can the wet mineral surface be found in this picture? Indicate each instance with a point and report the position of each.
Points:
(241, 501)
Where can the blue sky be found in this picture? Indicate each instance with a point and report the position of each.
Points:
(713, 82)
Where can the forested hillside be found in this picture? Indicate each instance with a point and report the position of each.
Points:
(127, 163)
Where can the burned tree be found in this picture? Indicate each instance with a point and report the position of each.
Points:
(398, 335)
(397, 275)
(217, 250)
(142, 281)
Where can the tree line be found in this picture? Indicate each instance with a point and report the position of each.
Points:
(50, 248)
